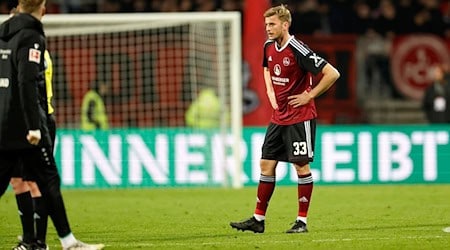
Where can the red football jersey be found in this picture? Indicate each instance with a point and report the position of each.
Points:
(290, 69)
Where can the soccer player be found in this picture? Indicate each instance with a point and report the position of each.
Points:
(288, 67)
(22, 182)
(24, 135)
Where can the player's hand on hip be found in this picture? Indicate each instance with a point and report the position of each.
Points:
(300, 99)
(34, 136)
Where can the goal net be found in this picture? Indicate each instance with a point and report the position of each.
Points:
(154, 66)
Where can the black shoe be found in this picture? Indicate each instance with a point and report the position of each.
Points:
(23, 246)
(251, 224)
(298, 227)
(39, 245)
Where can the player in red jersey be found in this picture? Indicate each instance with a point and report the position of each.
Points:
(288, 67)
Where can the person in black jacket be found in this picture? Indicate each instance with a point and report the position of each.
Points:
(23, 183)
(24, 135)
(436, 100)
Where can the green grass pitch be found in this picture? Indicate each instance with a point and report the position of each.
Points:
(340, 217)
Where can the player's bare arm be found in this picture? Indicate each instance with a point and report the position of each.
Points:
(330, 75)
(269, 89)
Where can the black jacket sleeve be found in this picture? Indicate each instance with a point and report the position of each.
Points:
(30, 58)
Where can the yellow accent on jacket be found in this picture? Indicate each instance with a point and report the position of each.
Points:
(48, 81)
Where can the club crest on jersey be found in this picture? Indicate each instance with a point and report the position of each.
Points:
(34, 55)
(277, 69)
(286, 61)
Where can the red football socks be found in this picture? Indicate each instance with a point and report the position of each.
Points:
(305, 187)
(266, 187)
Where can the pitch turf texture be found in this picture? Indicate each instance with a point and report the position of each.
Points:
(341, 217)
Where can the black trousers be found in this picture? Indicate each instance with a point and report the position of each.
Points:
(51, 125)
(40, 163)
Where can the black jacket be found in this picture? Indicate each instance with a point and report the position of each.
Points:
(435, 110)
(22, 82)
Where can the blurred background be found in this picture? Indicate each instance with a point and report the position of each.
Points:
(160, 94)
(385, 50)
(145, 91)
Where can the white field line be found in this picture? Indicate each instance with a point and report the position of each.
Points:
(232, 242)
(380, 238)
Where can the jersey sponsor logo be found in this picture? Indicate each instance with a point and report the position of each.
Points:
(277, 69)
(412, 60)
(317, 59)
(4, 82)
(34, 55)
(286, 61)
(280, 80)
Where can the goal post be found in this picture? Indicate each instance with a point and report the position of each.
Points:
(154, 64)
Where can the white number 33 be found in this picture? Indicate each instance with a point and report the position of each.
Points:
(299, 148)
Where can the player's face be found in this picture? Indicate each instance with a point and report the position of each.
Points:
(274, 27)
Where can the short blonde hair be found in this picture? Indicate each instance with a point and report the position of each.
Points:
(30, 6)
(281, 11)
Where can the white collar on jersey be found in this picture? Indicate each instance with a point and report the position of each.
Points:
(285, 45)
